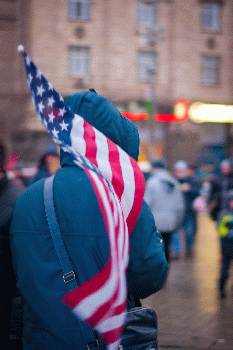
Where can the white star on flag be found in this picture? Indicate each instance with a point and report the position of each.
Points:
(41, 106)
(64, 126)
(61, 98)
(51, 101)
(55, 133)
(28, 60)
(38, 74)
(51, 117)
(62, 111)
(30, 78)
(50, 86)
(40, 90)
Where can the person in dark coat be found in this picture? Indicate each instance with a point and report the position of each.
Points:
(48, 323)
(219, 188)
(225, 231)
(47, 166)
(190, 188)
(9, 193)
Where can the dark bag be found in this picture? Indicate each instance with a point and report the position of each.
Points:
(140, 332)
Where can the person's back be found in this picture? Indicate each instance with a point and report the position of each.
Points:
(165, 199)
(48, 324)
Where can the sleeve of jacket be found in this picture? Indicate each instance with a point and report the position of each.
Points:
(147, 270)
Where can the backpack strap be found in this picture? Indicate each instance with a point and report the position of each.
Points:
(69, 276)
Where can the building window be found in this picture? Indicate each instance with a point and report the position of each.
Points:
(146, 16)
(146, 64)
(210, 70)
(79, 10)
(79, 61)
(210, 17)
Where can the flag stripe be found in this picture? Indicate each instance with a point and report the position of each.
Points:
(114, 160)
(91, 147)
(102, 156)
(137, 204)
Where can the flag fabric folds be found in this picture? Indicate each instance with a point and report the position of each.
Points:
(119, 187)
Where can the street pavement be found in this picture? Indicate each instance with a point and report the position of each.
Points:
(190, 314)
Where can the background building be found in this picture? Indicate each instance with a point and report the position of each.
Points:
(131, 52)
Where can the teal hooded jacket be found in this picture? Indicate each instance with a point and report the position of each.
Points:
(48, 324)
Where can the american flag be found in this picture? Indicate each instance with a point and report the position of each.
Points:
(119, 186)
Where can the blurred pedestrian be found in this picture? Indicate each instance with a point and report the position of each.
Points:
(48, 164)
(225, 231)
(191, 190)
(9, 193)
(14, 169)
(85, 229)
(219, 187)
(166, 201)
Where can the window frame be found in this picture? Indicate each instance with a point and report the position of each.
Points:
(87, 72)
(146, 21)
(205, 29)
(82, 18)
(154, 66)
(217, 70)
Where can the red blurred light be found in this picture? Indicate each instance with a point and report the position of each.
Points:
(135, 116)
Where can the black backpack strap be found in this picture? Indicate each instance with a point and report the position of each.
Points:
(69, 277)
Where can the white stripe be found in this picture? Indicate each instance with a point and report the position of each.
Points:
(111, 323)
(77, 135)
(127, 198)
(102, 155)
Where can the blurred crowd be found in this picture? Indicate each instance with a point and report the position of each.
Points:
(175, 196)
(200, 191)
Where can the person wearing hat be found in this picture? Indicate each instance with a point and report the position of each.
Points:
(9, 194)
(190, 189)
(48, 323)
(166, 201)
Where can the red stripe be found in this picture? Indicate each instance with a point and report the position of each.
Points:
(117, 177)
(91, 147)
(73, 298)
(138, 196)
(113, 335)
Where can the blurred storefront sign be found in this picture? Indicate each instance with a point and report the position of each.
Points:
(212, 113)
(135, 116)
(180, 112)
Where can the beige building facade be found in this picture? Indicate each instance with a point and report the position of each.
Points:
(130, 51)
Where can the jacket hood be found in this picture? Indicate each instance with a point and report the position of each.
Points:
(105, 117)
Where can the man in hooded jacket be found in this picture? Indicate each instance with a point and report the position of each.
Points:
(48, 323)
